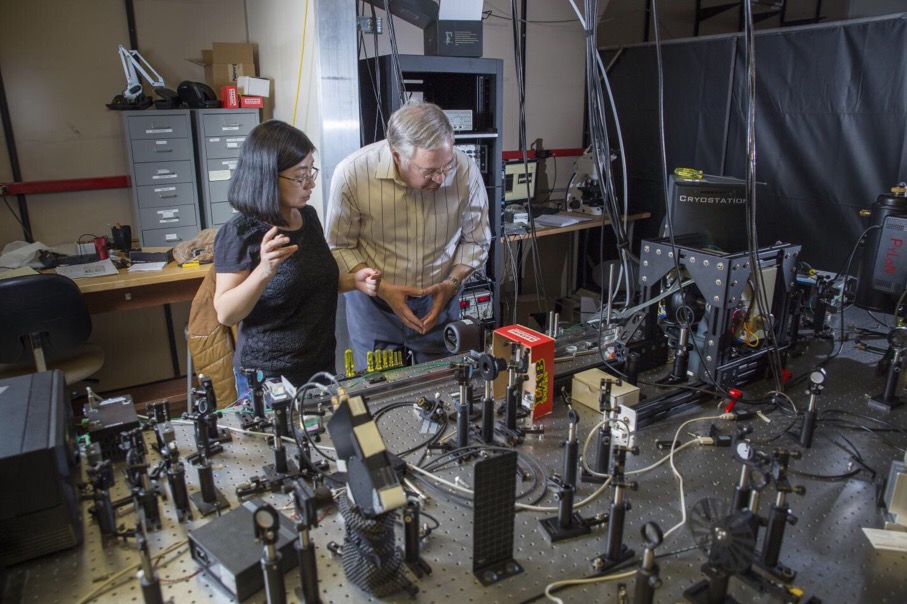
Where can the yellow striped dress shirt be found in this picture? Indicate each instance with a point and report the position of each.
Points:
(413, 237)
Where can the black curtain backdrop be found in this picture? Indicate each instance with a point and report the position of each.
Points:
(831, 125)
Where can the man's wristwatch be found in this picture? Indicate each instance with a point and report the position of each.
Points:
(455, 281)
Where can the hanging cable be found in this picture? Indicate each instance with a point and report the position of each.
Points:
(305, 26)
(521, 95)
(395, 55)
(374, 76)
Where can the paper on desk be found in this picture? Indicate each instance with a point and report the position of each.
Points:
(559, 220)
(144, 267)
(21, 253)
(89, 269)
(895, 541)
(18, 272)
(460, 10)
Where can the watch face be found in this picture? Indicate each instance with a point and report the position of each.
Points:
(898, 338)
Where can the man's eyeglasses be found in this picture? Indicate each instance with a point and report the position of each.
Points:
(435, 172)
(303, 180)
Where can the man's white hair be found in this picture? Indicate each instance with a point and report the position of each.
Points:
(418, 125)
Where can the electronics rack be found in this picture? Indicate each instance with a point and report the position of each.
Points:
(477, 301)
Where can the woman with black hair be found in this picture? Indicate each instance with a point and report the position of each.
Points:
(276, 276)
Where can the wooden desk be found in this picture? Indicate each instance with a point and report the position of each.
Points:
(125, 290)
(595, 222)
(129, 291)
(572, 230)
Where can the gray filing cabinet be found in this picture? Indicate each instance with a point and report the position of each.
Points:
(162, 167)
(219, 135)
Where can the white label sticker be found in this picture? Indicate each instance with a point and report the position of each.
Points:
(171, 237)
(216, 175)
(159, 131)
(164, 189)
(168, 213)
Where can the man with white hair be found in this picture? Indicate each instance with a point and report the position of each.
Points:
(414, 207)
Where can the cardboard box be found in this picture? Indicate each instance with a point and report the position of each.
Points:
(226, 62)
(587, 386)
(538, 389)
(249, 86)
(254, 102)
(454, 38)
(267, 110)
(229, 97)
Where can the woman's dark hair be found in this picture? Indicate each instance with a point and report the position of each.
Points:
(272, 147)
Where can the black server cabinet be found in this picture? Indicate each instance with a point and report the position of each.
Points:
(455, 84)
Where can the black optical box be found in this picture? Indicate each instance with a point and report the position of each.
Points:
(227, 551)
(454, 38)
(138, 256)
(40, 511)
(711, 206)
(106, 420)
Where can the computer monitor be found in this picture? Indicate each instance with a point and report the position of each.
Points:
(516, 189)
(713, 206)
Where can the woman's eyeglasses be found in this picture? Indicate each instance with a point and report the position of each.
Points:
(303, 180)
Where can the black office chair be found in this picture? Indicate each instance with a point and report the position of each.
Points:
(45, 324)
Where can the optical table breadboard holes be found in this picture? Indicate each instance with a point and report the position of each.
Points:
(833, 559)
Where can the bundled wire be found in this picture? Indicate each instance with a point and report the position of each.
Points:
(461, 494)
(434, 438)
(375, 77)
(517, 24)
(395, 54)
(854, 425)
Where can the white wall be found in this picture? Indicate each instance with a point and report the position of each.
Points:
(287, 54)
(60, 66)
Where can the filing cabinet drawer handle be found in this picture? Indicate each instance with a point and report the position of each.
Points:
(168, 196)
(163, 150)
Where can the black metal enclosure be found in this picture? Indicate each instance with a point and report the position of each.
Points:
(723, 281)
